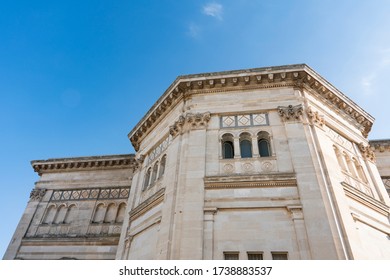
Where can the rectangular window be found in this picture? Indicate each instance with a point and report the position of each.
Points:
(230, 255)
(279, 255)
(255, 255)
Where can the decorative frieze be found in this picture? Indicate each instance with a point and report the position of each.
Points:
(245, 120)
(88, 194)
(290, 112)
(250, 181)
(189, 121)
(380, 146)
(367, 153)
(37, 194)
(315, 118)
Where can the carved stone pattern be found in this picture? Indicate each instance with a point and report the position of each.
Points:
(247, 167)
(267, 166)
(42, 166)
(290, 112)
(228, 121)
(37, 194)
(87, 194)
(156, 152)
(189, 121)
(380, 146)
(244, 120)
(339, 139)
(228, 168)
(315, 117)
(367, 153)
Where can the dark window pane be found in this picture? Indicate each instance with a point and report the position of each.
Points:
(246, 149)
(230, 256)
(228, 150)
(279, 256)
(264, 148)
(255, 256)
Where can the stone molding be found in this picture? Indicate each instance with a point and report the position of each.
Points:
(189, 121)
(37, 194)
(380, 145)
(148, 204)
(298, 76)
(290, 112)
(315, 118)
(83, 163)
(367, 153)
(107, 193)
(296, 211)
(365, 199)
(250, 181)
(83, 240)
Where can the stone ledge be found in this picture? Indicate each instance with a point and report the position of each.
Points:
(83, 163)
(250, 181)
(69, 241)
(148, 204)
(366, 200)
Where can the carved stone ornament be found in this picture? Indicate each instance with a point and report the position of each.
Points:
(138, 162)
(315, 117)
(290, 112)
(189, 121)
(367, 153)
(37, 194)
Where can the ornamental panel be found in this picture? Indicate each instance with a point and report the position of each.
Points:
(246, 120)
(88, 194)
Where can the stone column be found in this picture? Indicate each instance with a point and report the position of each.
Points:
(300, 231)
(208, 233)
(255, 147)
(237, 150)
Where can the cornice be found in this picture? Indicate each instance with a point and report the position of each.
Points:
(83, 163)
(380, 146)
(251, 181)
(366, 200)
(148, 204)
(68, 240)
(299, 76)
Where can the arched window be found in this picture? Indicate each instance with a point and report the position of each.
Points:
(350, 164)
(120, 215)
(263, 141)
(340, 159)
(99, 214)
(245, 145)
(360, 171)
(50, 213)
(154, 173)
(147, 178)
(227, 146)
(110, 213)
(60, 216)
(162, 166)
(70, 214)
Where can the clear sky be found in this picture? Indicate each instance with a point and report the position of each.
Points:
(76, 76)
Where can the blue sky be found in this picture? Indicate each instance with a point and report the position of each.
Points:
(76, 76)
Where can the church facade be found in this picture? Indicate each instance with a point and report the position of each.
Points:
(265, 163)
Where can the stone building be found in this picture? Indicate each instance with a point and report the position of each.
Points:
(266, 163)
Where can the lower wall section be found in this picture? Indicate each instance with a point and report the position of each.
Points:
(263, 230)
(143, 245)
(68, 248)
